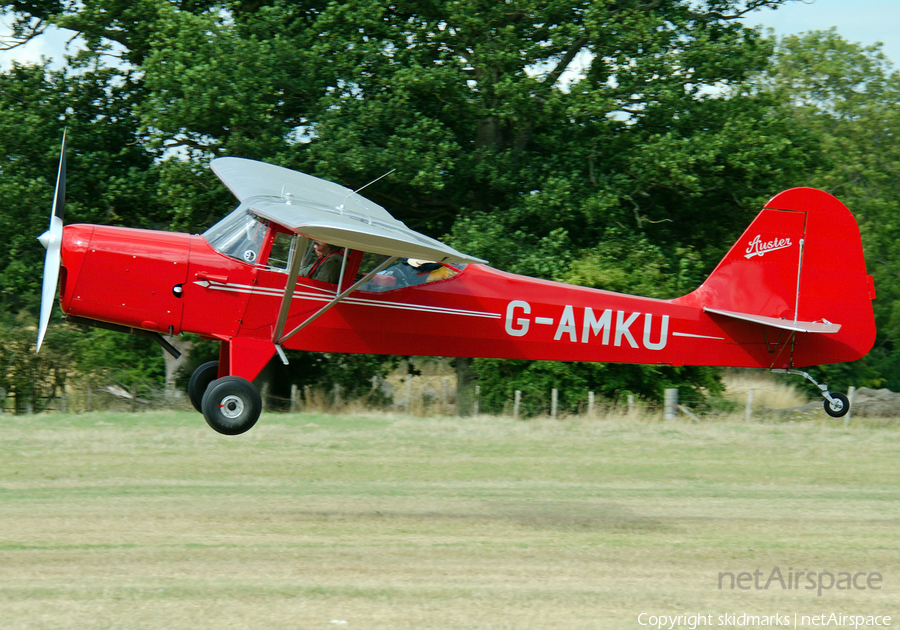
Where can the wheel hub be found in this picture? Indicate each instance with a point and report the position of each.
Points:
(231, 406)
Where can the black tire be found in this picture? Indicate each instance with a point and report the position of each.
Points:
(200, 380)
(231, 405)
(838, 408)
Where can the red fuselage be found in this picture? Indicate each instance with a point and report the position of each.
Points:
(172, 283)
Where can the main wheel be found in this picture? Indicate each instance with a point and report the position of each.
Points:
(200, 380)
(231, 405)
(839, 407)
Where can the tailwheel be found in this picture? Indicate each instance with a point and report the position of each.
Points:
(200, 380)
(231, 405)
(838, 406)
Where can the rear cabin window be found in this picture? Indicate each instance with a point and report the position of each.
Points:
(406, 272)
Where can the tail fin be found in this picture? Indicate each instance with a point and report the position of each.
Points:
(800, 267)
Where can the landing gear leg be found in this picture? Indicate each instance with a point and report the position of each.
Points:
(836, 404)
(231, 404)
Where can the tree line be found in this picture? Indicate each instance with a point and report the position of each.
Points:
(619, 144)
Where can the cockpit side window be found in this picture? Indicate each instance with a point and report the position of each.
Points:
(280, 252)
(239, 235)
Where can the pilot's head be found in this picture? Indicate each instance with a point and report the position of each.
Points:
(322, 248)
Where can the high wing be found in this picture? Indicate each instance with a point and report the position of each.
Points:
(326, 211)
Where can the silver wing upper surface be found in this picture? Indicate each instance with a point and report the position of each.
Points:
(326, 211)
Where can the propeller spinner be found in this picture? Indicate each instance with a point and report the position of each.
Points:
(52, 241)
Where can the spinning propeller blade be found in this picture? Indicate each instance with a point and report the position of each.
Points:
(52, 241)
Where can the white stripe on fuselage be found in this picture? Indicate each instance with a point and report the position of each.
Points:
(678, 334)
(324, 295)
(328, 296)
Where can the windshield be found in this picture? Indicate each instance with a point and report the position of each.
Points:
(239, 235)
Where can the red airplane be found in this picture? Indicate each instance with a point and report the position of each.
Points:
(792, 292)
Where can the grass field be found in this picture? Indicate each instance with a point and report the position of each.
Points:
(365, 521)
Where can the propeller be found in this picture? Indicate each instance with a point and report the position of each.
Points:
(52, 242)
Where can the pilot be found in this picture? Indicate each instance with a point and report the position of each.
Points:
(327, 265)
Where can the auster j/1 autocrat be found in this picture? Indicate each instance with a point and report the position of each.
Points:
(792, 292)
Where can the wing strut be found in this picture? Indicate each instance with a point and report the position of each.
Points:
(289, 288)
(343, 266)
(278, 338)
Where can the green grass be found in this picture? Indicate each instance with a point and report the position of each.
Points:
(155, 521)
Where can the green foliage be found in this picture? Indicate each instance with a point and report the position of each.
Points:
(195, 198)
(72, 353)
(628, 263)
(31, 378)
(104, 355)
(353, 372)
(321, 371)
(519, 252)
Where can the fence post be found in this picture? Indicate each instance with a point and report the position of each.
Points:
(337, 395)
(516, 404)
(554, 402)
(630, 404)
(2, 400)
(477, 396)
(408, 392)
(89, 397)
(445, 387)
(748, 412)
(851, 392)
(134, 397)
(295, 398)
(590, 404)
(670, 404)
(264, 396)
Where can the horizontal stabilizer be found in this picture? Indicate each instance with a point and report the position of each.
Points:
(775, 322)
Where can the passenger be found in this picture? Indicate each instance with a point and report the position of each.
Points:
(327, 265)
(429, 271)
